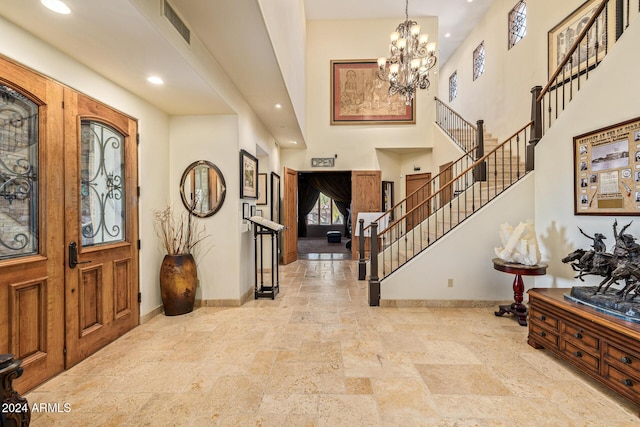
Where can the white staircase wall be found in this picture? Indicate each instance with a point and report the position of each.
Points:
(465, 255)
(611, 96)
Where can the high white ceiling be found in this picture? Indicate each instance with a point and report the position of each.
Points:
(455, 17)
(121, 40)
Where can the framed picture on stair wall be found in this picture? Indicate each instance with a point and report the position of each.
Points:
(606, 169)
(562, 36)
(358, 98)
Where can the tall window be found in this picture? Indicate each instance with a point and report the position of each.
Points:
(517, 23)
(478, 61)
(325, 212)
(453, 86)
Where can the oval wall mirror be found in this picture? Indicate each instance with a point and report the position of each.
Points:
(202, 188)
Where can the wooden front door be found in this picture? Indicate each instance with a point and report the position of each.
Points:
(31, 218)
(417, 193)
(290, 217)
(101, 231)
(68, 174)
(366, 188)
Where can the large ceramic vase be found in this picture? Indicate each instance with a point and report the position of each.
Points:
(178, 279)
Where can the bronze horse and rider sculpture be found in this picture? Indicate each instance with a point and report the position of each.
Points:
(622, 264)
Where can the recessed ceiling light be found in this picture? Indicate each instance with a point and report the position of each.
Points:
(294, 142)
(278, 106)
(469, 1)
(155, 80)
(57, 6)
(448, 35)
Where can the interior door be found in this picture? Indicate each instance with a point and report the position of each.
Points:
(101, 228)
(417, 193)
(446, 175)
(290, 216)
(366, 188)
(31, 220)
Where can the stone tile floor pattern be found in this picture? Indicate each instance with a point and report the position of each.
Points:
(318, 355)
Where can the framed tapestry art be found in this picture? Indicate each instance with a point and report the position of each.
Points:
(607, 170)
(593, 47)
(248, 176)
(359, 97)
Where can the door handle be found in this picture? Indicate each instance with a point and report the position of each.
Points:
(73, 255)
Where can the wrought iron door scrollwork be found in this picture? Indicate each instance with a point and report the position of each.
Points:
(101, 184)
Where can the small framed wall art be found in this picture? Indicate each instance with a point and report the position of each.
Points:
(248, 176)
(262, 189)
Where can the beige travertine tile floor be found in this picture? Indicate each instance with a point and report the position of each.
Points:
(319, 356)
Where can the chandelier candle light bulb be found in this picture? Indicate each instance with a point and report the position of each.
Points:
(410, 60)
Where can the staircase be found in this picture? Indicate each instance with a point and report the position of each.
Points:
(444, 209)
(478, 178)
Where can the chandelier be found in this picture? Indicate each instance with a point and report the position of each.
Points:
(410, 60)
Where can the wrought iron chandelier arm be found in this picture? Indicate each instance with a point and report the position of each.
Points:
(411, 58)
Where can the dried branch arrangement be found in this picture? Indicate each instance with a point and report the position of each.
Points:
(179, 233)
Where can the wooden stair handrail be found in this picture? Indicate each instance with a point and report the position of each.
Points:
(419, 188)
(573, 48)
(474, 127)
(443, 187)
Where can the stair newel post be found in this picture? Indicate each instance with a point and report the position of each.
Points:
(536, 128)
(362, 265)
(480, 171)
(374, 280)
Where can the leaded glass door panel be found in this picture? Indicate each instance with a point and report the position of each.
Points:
(101, 227)
(31, 223)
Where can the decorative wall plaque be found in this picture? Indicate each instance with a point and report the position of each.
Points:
(323, 162)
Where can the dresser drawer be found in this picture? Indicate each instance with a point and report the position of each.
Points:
(578, 337)
(622, 359)
(538, 317)
(545, 337)
(582, 357)
(622, 381)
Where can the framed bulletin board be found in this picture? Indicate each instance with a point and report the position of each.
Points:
(607, 170)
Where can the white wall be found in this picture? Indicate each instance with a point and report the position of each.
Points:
(465, 255)
(609, 97)
(501, 96)
(212, 138)
(153, 126)
(286, 24)
(355, 144)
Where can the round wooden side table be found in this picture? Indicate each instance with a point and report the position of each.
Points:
(517, 307)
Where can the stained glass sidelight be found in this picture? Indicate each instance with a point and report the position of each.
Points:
(517, 23)
(478, 61)
(18, 174)
(102, 200)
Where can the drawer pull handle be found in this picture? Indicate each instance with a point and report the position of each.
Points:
(577, 354)
(627, 382)
(543, 318)
(626, 360)
(543, 334)
(578, 335)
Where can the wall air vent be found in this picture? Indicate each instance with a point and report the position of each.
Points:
(177, 23)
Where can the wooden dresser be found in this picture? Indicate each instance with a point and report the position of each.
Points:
(605, 347)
